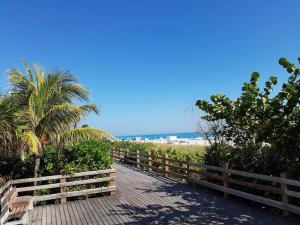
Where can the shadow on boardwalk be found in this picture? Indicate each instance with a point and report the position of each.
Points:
(160, 200)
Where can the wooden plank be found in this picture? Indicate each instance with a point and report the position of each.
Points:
(39, 216)
(97, 203)
(82, 214)
(75, 213)
(266, 177)
(149, 159)
(260, 187)
(47, 214)
(73, 193)
(283, 187)
(105, 211)
(56, 177)
(62, 214)
(43, 215)
(92, 213)
(99, 211)
(112, 203)
(53, 214)
(219, 169)
(292, 194)
(69, 217)
(178, 175)
(251, 175)
(166, 165)
(138, 158)
(130, 161)
(66, 184)
(4, 187)
(130, 156)
(8, 197)
(248, 196)
(207, 174)
(183, 169)
(57, 214)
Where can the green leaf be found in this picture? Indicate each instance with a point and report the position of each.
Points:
(254, 76)
(273, 79)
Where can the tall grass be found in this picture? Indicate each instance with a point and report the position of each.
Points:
(182, 148)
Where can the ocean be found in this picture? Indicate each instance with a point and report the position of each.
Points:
(159, 136)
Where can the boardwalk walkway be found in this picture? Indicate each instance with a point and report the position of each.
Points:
(144, 198)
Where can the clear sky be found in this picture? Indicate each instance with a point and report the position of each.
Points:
(147, 62)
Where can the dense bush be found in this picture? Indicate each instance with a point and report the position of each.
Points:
(15, 168)
(259, 131)
(83, 156)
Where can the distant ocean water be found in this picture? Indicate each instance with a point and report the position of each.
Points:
(159, 136)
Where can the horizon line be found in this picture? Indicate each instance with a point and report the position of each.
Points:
(164, 133)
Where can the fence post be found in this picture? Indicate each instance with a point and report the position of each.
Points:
(149, 161)
(166, 165)
(113, 152)
(112, 183)
(283, 187)
(122, 156)
(225, 178)
(188, 169)
(138, 159)
(62, 189)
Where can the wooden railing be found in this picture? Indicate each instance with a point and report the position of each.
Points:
(278, 192)
(91, 182)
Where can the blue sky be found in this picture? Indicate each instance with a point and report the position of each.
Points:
(147, 62)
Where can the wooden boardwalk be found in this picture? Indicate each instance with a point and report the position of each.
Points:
(145, 198)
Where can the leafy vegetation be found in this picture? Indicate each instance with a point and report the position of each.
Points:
(83, 156)
(161, 150)
(182, 148)
(42, 109)
(259, 131)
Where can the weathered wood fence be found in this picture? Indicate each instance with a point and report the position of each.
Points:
(278, 192)
(91, 182)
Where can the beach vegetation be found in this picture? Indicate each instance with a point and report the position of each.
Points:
(258, 131)
(42, 109)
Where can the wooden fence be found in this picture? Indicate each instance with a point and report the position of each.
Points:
(91, 182)
(278, 192)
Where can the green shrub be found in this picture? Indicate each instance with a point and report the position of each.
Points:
(15, 168)
(80, 157)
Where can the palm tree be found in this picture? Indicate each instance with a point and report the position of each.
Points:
(8, 124)
(50, 109)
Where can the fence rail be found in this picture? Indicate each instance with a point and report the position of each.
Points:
(279, 192)
(104, 182)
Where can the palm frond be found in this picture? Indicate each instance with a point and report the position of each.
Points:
(30, 140)
(27, 68)
(80, 134)
(63, 117)
(39, 75)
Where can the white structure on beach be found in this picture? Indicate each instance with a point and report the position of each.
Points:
(171, 139)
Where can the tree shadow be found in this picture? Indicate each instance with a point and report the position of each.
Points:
(170, 202)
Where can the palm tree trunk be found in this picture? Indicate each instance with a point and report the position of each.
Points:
(58, 156)
(20, 151)
(37, 165)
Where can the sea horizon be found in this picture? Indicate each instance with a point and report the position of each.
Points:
(185, 135)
